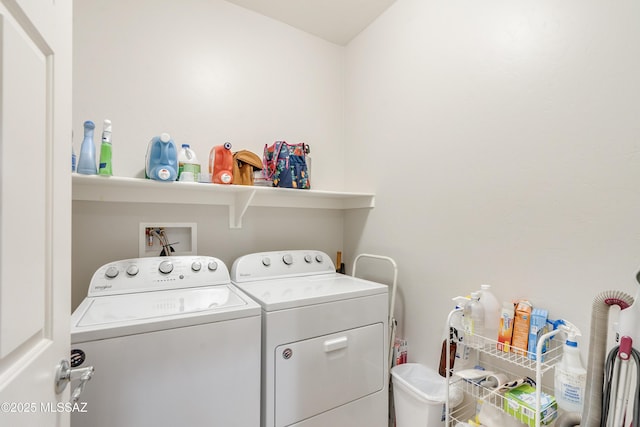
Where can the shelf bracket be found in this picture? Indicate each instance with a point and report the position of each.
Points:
(237, 209)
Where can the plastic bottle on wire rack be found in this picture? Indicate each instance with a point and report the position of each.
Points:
(187, 162)
(463, 359)
(491, 312)
(570, 373)
(473, 316)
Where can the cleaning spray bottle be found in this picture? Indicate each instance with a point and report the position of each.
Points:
(105, 150)
(453, 341)
(463, 357)
(87, 159)
(570, 373)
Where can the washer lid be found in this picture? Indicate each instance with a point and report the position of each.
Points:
(278, 294)
(117, 315)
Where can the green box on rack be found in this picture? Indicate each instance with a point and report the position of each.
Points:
(521, 403)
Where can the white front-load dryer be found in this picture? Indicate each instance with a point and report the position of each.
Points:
(324, 341)
(173, 343)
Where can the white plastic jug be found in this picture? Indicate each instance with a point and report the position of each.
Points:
(162, 159)
(491, 312)
(187, 162)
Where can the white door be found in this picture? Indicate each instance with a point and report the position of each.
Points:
(35, 208)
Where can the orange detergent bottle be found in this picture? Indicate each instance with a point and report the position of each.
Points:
(221, 164)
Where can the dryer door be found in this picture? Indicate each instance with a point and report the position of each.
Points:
(319, 374)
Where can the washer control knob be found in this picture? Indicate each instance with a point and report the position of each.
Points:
(308, 259)
(196, 266)
(165, 267)
(319, 258)
(266, 261)
(287, 259)
(212, 266)
(132, 270)
(112, 272)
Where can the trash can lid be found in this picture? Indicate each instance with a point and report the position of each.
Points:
(423, 381)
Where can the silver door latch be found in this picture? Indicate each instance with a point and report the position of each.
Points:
(65, 374)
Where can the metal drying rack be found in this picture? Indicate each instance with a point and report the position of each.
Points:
(392, 321)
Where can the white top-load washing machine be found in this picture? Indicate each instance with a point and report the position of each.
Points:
(173, 343)
(324, 341)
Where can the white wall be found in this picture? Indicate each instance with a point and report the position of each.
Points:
(105, 232)
(502, 141)
(206, 72)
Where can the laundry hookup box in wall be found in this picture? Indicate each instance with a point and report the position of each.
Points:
(521, 403)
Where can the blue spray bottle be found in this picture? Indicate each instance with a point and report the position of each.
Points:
(87, 159)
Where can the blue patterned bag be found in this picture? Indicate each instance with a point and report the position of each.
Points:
(286, 165)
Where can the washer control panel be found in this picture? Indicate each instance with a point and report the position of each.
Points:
(158, 273)
(279, 264)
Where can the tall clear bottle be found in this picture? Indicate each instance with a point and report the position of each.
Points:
(87, 159)
(105, 150)
(473, 317)
(491, 312)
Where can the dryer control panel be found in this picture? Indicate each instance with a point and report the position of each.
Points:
(280, 264)
(157, 273)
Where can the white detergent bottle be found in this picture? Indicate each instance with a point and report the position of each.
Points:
(188, 162)
(570, 373)
(491, 312)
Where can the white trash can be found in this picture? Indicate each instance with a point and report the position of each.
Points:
(419, 396)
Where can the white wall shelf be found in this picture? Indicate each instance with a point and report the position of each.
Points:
(237, 197)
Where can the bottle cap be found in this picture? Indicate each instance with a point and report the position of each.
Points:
(163, 174)
(106, 125)
(165, 137)
(89, 124)
(185, 146)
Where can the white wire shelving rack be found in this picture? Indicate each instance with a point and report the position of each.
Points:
(538, 363)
